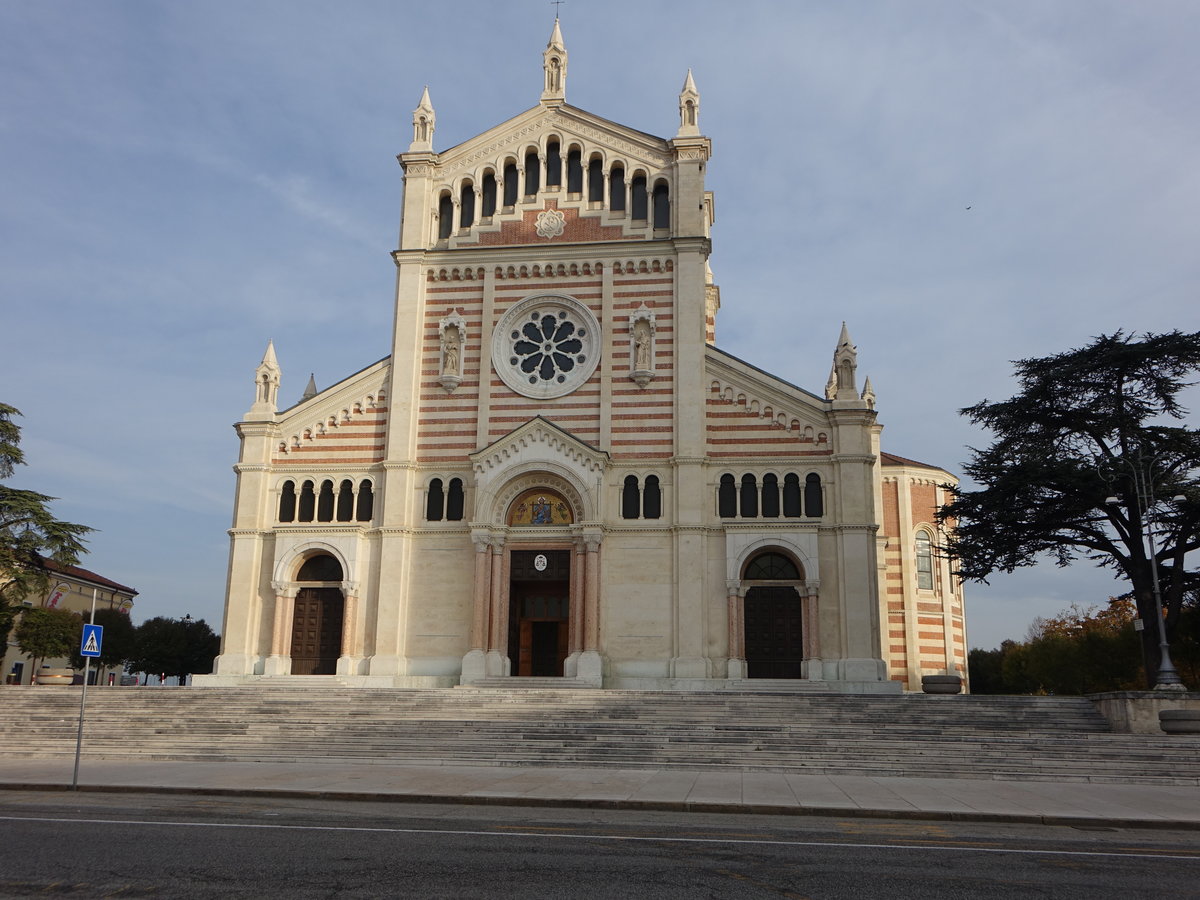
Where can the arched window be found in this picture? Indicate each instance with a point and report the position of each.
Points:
(435, 501)
(445, 216)
(510, 184)
(771, 566)
(749, 498)
(321, 567)
(924, 554)
(325, 502)
(575, 171)
(630, 502)
(662, 206)
(308, 502)
(814, 503)
(770, 497)
(791, 495)
(616, 189)
(466, 205)
(489, 196)
(727, 498)
(345, 501)
(366, 502)
(454, 501)
(287, 502)
(652, 499)
(596, 181)
(553, 165)
(638, 198)
(533, 171)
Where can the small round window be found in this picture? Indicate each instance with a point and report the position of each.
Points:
(546, 346)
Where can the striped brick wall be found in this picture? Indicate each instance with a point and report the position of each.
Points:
(446, 421)
(739, 425)
(355, 435)
(642, 423)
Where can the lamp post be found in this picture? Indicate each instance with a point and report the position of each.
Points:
(1144, 500)
(187, 621)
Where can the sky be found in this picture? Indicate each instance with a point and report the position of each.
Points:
(963, 183)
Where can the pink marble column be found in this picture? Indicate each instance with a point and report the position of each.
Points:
(483, 581)
(282, 602)
(576, 614)
(591, 597)
(497, 636)
(349, 623)
(736, 640)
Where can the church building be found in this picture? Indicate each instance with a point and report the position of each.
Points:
(556, 473)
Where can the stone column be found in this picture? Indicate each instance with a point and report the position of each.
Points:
(737, 630)
(812, 633)
(280, 660)
(474, 664)
(497, 654)
(591, 666)
(351, 652)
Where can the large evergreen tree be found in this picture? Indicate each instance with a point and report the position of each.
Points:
(1090, 457)
(29, 533)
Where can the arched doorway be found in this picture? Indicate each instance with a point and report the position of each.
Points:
(539, 609)
(317, 617)
(774, 618)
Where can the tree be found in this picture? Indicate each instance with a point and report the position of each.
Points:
(28, 531)
(1087, 425)
(48, 633)
(179, 647)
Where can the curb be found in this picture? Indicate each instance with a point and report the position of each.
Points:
(748, 809)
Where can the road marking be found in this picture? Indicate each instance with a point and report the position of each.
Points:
(762, 842)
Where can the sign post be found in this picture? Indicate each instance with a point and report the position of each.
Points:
(89, 649)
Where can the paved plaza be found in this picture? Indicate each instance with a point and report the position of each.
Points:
(1042, 801)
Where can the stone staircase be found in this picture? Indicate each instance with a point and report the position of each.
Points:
(914, 735)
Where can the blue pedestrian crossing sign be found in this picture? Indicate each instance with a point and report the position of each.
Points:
(93, 637)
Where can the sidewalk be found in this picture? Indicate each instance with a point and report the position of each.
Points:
(1046, 802)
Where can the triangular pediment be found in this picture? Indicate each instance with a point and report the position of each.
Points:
(763, 400)
(539, 442)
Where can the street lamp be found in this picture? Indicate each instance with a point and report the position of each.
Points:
(1143, 482)
(187, 621)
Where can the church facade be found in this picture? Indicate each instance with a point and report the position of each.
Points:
(556, 473)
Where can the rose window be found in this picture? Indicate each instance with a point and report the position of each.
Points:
(546, 346)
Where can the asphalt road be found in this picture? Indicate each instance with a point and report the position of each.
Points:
(131, 845)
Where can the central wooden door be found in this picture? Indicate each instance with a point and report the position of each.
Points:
(539, 618)
(317, 631)
(774, 632)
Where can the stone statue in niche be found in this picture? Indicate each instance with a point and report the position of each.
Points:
(453, 329)
(641, 345)
(450, 366)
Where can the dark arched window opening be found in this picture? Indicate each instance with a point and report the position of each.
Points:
(770, 497)
(435, 501)
(366, 502)
(595, 181)
(575, 172)
(322, 567)
(814, 503)
(727, 498)
(325, 502)
(345, 503)
(616, 189)
(629, 498)
(287, 502)
(510, 184)
(652, 499)
(771, 567)
(553, 165)
(791, 496)
(489, 196)
(924, 553)
(308, 502)
(749, 498)
(533, 171)
(638, 199)
(445, 216)
(466, 206)
(662, 206)
(454, 501)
